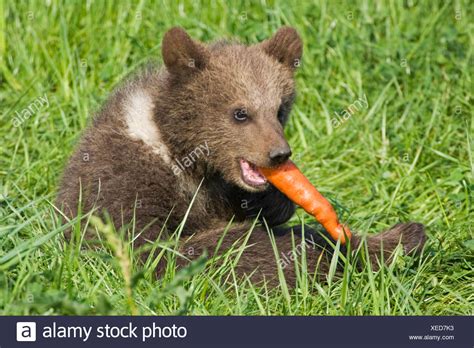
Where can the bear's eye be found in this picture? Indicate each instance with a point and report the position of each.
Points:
(240, 114)
(282, 114)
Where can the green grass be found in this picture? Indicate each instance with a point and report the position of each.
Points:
(407, 156)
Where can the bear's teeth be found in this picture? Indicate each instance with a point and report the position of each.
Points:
(251, 174)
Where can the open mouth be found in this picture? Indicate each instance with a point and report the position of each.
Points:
(251, 174)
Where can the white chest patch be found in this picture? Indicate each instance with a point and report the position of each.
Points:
(138, 111)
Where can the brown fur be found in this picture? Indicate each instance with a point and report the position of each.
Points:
(191, 101)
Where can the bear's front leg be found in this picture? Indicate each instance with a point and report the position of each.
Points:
(272, 205)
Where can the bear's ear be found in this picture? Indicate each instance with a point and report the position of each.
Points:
(285, 46)
(181, 54)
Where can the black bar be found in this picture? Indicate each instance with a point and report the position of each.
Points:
(240, 331)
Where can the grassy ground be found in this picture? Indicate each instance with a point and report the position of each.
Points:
(406, 156)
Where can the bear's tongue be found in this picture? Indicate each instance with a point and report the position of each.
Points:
(251, 174)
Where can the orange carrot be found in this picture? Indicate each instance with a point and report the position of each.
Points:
(292, 183)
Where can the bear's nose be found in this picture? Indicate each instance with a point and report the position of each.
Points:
(280, 155)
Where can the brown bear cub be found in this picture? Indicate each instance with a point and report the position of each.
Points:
(198, 128)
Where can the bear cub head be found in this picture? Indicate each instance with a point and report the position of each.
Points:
(233, 98)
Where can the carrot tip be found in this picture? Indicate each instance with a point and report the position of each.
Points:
(343, 233)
